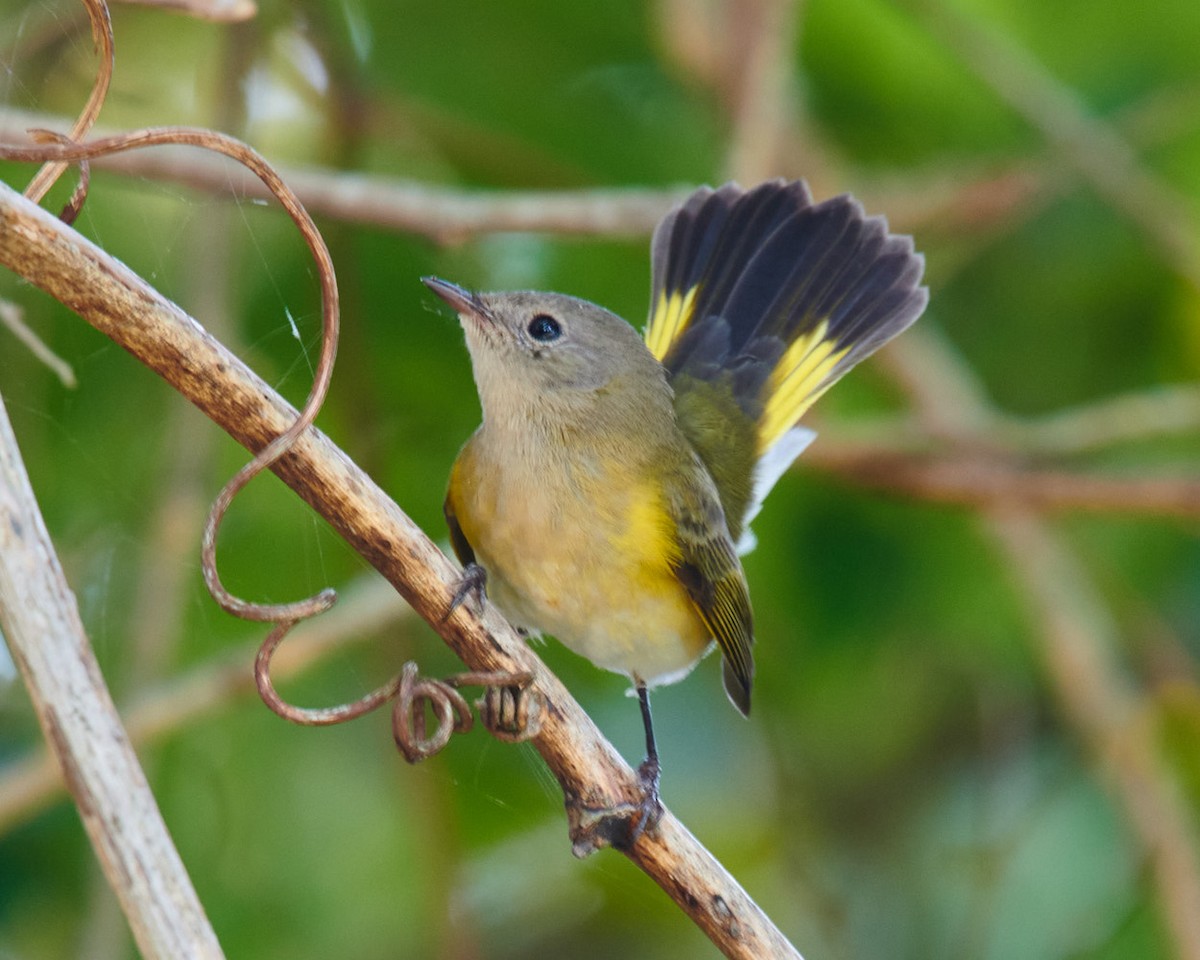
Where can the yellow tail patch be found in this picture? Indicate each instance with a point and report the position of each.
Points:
(798, 380)
(671, 316)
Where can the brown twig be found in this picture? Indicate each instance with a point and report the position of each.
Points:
(591, 773)
(45, 634)
(11, 318)
(976, 480)
(443, 214)
(102, 35)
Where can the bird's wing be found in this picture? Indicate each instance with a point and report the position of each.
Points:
(707, 565)
(760, 301)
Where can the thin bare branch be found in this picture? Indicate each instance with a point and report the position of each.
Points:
(45, 634)
(1163, 411)
(592, 774)
(763, 107)
(981, 479)
(1139, 416)
(444, 215)
(951, 406)
(102, 35)
(11, 317)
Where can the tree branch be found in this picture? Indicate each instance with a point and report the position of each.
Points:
(42, 626)
(592, 774)
(969, 479)
(445, 215)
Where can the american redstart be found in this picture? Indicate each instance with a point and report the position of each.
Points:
(607, 490)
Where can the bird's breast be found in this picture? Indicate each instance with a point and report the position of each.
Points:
(581, 550)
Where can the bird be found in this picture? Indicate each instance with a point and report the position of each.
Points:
(605, 498)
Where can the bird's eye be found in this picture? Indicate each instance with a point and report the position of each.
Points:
(544, 328)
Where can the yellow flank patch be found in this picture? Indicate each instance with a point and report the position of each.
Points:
(672, 314)
(647, 538)
(796, 383)
(467, 513)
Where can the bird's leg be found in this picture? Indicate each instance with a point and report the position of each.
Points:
(649, 773)
(650, 769)
(622, 824)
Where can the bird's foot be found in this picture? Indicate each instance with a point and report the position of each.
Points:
(472, 585)
(650, 810)
(618, 825)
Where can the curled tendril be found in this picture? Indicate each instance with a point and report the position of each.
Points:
(510, 708)
(102, 36)
(310, 717)
(512, 712)
(409, 719)
(73, 151)
(74, 205)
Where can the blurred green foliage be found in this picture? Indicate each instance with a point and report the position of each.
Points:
(907, 786)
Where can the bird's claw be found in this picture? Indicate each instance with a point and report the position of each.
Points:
(472, 584)
(618, 825)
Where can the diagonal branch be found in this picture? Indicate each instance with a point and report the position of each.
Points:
(40, 620)
(591, 772)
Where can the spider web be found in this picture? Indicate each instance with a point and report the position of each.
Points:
(233, 262)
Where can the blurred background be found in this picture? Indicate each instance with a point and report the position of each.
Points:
(977, 723)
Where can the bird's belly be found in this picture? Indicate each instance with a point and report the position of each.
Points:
(622, 625)
(599, 581)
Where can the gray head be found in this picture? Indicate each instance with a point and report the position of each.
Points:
(532, 348)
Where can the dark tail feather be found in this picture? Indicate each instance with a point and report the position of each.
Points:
(714, 234)
(784, 295)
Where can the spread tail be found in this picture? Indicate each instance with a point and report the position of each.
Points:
(762, 300)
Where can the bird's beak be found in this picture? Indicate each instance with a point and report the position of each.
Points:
(463, 301)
